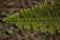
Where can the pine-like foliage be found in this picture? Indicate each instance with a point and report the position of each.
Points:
(44, 17)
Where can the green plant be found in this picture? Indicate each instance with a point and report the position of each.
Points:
(38, 17)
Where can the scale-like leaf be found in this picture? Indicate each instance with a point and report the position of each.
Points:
(51, 28)
(58, 25)
(43, 25)
(19, 23)
(35, 24)
(27, 24)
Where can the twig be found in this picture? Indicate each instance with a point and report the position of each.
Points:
(5, 3)
(29, 2)
(8, 9)
(17, 3)
(23, 3)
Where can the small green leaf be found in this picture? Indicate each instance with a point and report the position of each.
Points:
(35, 24)
(43, 25)
(10, 31)
(19, 23)
(51, 28)
(27, 24)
